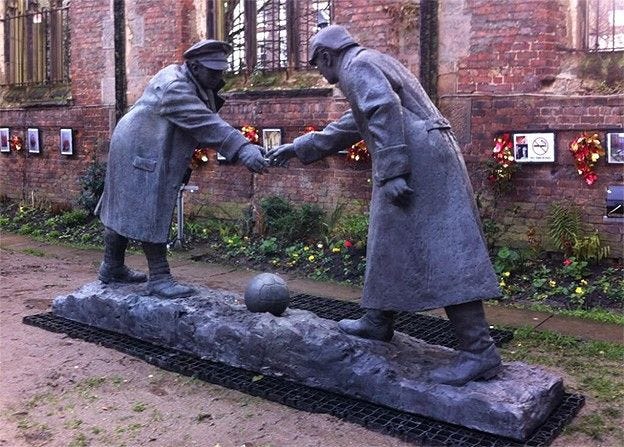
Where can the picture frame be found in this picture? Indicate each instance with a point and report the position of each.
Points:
(532, 147)
(32, 141)
(5, 145)
(271, 138)
(66, 145)
(615, 147)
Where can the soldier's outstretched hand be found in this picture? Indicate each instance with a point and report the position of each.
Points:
(251, 156)
(279, 156)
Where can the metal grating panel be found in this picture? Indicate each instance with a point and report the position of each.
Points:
(406, 426)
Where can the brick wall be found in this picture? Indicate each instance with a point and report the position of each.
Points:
(157, 32)
(328, 183)
(514, 46)
(501, 63)
(537, 186)
(50, 176)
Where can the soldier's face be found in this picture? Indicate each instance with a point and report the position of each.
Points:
(208, 78)
(327, 66)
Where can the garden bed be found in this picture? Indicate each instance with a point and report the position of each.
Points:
(544, 281)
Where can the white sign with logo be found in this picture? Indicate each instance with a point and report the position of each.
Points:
(534, 147)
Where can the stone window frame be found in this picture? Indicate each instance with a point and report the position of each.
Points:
(267, 35)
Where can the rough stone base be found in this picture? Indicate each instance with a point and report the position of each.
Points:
(302, 347)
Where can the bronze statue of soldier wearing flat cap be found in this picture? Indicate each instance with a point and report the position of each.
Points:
(149, 157)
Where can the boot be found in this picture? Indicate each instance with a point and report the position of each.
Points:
(166, 287)
(375, 325)
(112, 268)
(478, 357)
(160, 282)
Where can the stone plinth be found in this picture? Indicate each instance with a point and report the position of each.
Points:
(302, 347)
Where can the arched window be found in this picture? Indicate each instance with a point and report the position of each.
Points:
(267, 35)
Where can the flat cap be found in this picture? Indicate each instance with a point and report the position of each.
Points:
(210, 53)
(334, 37)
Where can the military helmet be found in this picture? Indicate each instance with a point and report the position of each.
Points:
(334, 37)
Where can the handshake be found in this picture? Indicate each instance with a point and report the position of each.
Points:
(251, 156)
(396, 189)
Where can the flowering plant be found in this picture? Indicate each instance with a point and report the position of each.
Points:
(16, 143)
(358, 153)
(200, 157)
(586, 151)
(502, 164)
(251, 133)
(310, 128)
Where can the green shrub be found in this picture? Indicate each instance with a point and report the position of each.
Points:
(354, 228)
(26, 229)
(268, 246)
(288, 223)
(507, 260)
(92, 184)
(73, 218)
(564, 224)
(575, 268)
(590, 248)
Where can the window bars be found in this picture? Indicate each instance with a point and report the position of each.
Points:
(267, 35)
(605, 25)
(36, 43)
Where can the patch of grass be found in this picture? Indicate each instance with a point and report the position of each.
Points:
(138, 407)
(80, 440)
(41, 399)
(599, 315)
(130, 429)
(86, 387)
(73, 424)
(156, 416)
(557, 343)
(92, 382)
(117, 380)
(34, 252)
(593, 366)
(606, 388)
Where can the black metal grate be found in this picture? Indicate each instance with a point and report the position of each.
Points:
(406, 426)
(433, 330)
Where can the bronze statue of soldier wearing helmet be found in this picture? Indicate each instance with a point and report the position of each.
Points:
(425, 244)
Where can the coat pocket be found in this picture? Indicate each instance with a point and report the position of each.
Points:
(144, 163)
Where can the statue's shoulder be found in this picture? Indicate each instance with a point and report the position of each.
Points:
(169, 75)
(362, 57)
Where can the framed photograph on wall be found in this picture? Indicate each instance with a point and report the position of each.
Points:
(534, 147)
(271, 138)
(4, 140)
(32, 141)
(615, 147)
(67, 142)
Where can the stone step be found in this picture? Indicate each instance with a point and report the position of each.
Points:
(300, 346)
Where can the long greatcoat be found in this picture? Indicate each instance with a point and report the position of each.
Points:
(430, 253)
(151, 149)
